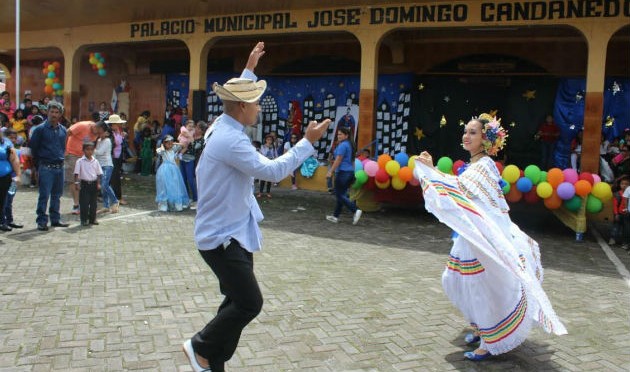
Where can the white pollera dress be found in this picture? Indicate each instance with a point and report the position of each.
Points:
(493, 273)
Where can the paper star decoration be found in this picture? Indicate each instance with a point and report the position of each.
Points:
(442, 121)
(420, 86)
(572, 127)
(610, 121)
(447, 98)
(493, 113)
(419, 134)
(461, 123)
(616, 88)
(529, 95)
(513, 124)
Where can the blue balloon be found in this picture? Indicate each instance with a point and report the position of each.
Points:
(402, 159)
(102, 72)
(56, 86)
(97, 55)
(358, 165)
(524, 184)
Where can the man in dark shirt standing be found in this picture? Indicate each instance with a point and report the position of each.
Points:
(48, 145)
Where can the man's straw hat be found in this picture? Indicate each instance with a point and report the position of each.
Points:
(240, 90)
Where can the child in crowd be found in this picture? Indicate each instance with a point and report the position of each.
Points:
(18, 123)
(287, 146)
(146, 151)
(87, 179)
(171, 193)
(6, 218)
(268, 150)
(620, 212)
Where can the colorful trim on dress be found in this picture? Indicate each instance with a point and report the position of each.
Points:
(464, 267)
(445, 189)
(508, 325)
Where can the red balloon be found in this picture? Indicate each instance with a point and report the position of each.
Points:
(499, 166)
(586, 176)
(514, 196)
(381, 176)
(46, 63)
(370, 184)
(531, 196)
(457, 165)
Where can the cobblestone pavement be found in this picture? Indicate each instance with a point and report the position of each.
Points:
(125, 295)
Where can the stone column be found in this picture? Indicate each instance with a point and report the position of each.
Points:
(71, 73)
(198, 73)
(370, 42)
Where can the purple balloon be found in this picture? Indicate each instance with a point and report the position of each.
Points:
(570, 175)
(566, 190)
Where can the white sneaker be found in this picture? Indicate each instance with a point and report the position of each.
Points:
(357, 216)
(332, 219)
(190, 353)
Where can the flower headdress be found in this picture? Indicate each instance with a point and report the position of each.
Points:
(493, 135)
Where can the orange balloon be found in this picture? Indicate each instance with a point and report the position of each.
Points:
(48, 89)
(56, 64)
(514, 196)
(405, 174)
(383, 159)
(555, 177)
(553, 202)
(582, 188)
(45, 71)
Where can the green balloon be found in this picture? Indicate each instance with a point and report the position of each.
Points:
(573, 204)
(445, 164)
(506, 188)
(543, 176)
(361, 177)
(593, 205)
(533, 173)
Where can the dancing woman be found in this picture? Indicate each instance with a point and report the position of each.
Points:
(493, 274)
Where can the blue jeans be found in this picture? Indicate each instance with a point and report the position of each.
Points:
(7, 215)
(188, 173)
(343, 181)
(109, 197)
(50, 186)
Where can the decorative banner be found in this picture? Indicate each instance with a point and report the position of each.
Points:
(52, 82)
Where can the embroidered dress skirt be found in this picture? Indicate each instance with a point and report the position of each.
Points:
(490, 297)
(171, 192)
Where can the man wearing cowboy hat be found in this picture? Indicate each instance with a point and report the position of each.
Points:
(226, 225)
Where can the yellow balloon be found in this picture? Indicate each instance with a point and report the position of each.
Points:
(99, 65)
(602, 191)
(511, 173)
(51, 68)
(397, 183)
(412, 162)
(392, 167)
(544, 190)
(382, 185)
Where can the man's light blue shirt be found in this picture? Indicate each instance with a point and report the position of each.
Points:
(226, 207)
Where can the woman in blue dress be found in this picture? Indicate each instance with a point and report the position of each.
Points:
(171, 192)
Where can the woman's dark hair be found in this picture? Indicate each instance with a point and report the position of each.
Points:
(16, 112)
(37, 119)
(202, 125)
(347, 132)
(110, 134)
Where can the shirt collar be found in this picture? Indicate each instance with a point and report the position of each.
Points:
(233, 123)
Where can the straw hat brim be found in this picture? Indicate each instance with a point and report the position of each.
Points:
(115, 119)
(240, 90)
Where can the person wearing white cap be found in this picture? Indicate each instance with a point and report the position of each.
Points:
(226, 225)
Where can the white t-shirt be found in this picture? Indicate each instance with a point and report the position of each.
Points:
(626, 194)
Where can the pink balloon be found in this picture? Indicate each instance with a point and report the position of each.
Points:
(414, 182)
(596, 178)
(570, 175)
(364, 161)
(370, 167)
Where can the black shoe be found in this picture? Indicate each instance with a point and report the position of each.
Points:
(15, 225)
(94, 223)
(85, 224)
(5, 228)
(59, 224)
(41, 227)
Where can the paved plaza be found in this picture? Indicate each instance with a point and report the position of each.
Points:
(124, 295)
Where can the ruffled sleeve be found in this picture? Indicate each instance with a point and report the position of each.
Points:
(480, 182)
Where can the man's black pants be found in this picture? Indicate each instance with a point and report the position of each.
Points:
(234, 267)
(87, 201)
